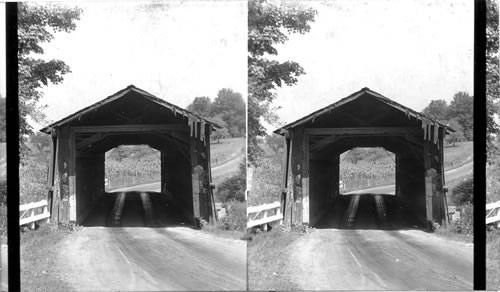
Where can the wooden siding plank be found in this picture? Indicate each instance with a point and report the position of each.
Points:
(131, 128)
(364, 131)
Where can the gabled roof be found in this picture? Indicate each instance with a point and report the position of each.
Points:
(409, 112)
(175, 109)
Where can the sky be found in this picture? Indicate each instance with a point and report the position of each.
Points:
(3, 69)
(176, 51)
(409, 51)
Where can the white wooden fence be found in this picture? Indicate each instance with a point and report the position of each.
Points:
(493, 214)
(28, 213)
(263, 214)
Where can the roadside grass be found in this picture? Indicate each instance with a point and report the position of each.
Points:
(449, 234)
(267, 258)
(459, 155)
(38, 263)
(233, 225)
(493, 260)
(226, 150)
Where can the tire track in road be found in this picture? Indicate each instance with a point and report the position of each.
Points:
(331, 259)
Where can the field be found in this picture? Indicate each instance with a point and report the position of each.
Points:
(226, 150)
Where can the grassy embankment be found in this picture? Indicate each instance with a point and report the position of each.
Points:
(267, 252)
(38, 260)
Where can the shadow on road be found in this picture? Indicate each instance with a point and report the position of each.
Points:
(158, 211)
(345, 213)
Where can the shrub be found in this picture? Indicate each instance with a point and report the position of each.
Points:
(265, 183)
(464, 225)
(32, 181)
(236, 218)
(233, 188)
(463, 193)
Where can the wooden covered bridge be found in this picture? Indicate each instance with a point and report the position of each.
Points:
(314, 143)
(131, 116)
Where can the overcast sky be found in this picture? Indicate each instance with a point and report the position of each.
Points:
(176, 51)
(3, 68)
(409, 51)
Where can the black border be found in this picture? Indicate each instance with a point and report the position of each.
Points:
(479, 145)
(12, 116)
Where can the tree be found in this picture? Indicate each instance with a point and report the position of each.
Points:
(267, 27)
(461, 109)
(230, 106)
(436, 110)
(201, 106)
(456, 136)
(492, 74)
(36, 25)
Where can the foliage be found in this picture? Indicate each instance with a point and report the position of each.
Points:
(233, 188)
(128, 165)
(492, 262)
(236, 218)
(3, 119)
(492, 72)
(228, 110)
(362, 168)
(463, 193)
(454, 137)
(464, 225)
(200, 106)
(230, 106)
(461, 109)
(268, 26)
(436, 110)
(36, 26)
(458, 115)
(492, 181)
(275, 142)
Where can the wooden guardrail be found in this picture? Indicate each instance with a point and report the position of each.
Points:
(264, 214)
(28, 213)
(493, 214)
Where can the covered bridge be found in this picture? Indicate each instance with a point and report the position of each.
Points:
(313, 144)
(131, 116)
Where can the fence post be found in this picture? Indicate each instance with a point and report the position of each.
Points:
(32, 214)
(44, 212)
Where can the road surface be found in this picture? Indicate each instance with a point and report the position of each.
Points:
(449, 176)
(219, 173)
(138, 258)
(331, 259)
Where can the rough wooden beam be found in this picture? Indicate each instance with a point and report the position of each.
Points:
(364, 131)
(131, 128)
(324, 142)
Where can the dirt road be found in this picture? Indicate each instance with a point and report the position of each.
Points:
(449, 175)
(380, 260)
(395, 255)
(138, 258)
